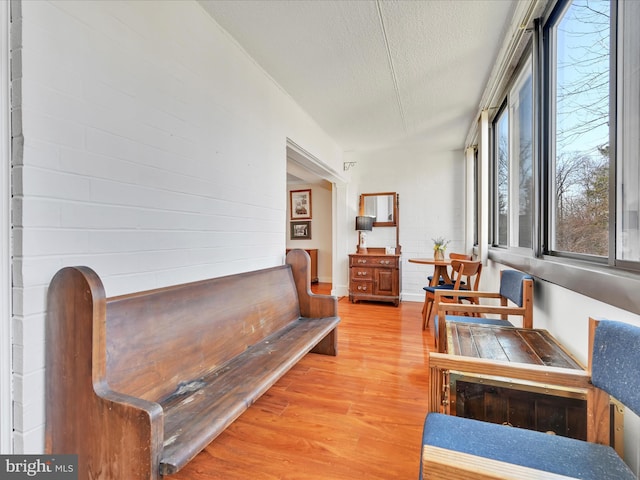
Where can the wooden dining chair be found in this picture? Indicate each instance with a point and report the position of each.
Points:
(466, 276)
(452, 256)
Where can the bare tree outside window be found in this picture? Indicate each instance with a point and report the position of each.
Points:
(502, 136)
(628, 174)
(523, 149)
(582, 129)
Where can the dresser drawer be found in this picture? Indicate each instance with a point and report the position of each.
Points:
(374, 261)
(364, 287)
(361, 273)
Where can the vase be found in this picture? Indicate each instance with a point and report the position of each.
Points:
(438, 254)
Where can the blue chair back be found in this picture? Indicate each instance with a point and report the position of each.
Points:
(615, 366)
(511, 285)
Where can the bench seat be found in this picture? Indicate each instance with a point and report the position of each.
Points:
(200, 410)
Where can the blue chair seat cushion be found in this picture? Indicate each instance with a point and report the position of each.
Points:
(444, 286)
(440, 280)
(528, 448)
(465, 319)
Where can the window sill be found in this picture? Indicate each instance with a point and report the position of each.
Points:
(609, 285)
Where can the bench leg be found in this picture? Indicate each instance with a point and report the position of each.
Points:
(328, 345)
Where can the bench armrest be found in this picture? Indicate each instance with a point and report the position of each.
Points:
(84, 415)
(138, 423)
(151, 409)
(311, 305)
(440, 463)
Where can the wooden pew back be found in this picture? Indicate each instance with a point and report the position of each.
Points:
(161, 340)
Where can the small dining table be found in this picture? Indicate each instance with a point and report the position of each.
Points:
(439, 268)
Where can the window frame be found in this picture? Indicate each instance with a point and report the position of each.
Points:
(515, 82)
(495, 207)
(605, 279)
(515, 159)
(549, 124)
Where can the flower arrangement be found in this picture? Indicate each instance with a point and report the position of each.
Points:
(440, 243)
(439, 246)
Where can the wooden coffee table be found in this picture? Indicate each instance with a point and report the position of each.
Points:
(534, 406)
(511, 344)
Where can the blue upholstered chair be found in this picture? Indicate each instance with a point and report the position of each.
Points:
(515, 295)
(466, 276)
(455, 447)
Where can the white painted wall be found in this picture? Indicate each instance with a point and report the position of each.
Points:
(431, 192)
(321, 228)
(154, 152)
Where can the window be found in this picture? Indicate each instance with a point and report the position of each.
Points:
(580, 57)
(476, 198)
(628, 234)
(501, 129)
(513, 131)
(566, 152)
(521, 107)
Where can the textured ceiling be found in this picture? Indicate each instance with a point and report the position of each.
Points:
(375, 74)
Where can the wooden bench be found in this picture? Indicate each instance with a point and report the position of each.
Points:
(138, 384)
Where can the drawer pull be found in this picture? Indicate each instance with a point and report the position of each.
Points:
(362, 288)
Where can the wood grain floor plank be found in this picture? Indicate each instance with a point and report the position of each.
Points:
(355, 416)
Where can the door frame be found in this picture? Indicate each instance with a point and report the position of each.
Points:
(301, 158)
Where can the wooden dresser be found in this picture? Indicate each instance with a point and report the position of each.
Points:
(374, 277)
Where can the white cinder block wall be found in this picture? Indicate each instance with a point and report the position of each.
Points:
(431, 192)
(148, 146)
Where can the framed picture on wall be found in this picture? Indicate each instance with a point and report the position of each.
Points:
(300, 201)
(301, 230)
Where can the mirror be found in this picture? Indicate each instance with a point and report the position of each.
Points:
(383, 206)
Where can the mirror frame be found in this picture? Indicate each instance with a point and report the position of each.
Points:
(394, 195)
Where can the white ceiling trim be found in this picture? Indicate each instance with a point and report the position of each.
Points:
(308, 167)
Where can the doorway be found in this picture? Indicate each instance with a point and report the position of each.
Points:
(308, 177)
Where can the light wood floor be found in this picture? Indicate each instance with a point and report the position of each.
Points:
(355, 416)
